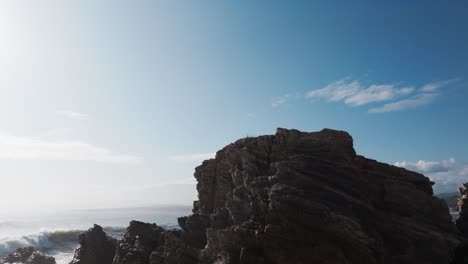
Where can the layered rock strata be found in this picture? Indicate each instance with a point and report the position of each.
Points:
(297, 197)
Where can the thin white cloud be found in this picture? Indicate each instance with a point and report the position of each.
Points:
(27, 148)
(73, 115)
(377, 93)
(414, 102)
(192, 157)
(447, 174)
(397, 98)
(433, 87)
(278, 101)
(336, 91)
(355, 94)
(281, 100)
(425, 166)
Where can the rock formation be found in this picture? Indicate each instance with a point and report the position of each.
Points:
(462, 221)
(297, 197)
(462, 224)
(27, 255)
(138, 243)
(95, 247)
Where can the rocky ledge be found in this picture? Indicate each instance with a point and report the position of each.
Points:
(27, 255)
(295, 197)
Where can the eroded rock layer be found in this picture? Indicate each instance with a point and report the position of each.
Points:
(297, 197)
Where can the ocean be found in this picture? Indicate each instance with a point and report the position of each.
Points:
(55, 233)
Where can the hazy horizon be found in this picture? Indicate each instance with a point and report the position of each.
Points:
(113, 104)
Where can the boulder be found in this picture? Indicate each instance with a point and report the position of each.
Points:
(95, 247)
(38, 257)
(138, 243)
(462, 224)
(462, 221)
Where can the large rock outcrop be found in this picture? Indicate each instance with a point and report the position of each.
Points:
(297, 197)
(27, 255)
(462, 221)
(462, 224)
(138, 243)
(95, 247)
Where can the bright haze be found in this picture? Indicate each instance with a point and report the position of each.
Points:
(114, 103)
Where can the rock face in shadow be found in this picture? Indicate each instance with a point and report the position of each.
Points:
(27, 255)
(462, 224)
(95, 247)
(462, 221)
(297, 197)
(138, 243)
(308, 198)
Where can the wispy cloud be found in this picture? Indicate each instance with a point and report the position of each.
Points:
(192, 157)
(354, 93)
(336, 91)
(433, 87)
(73, 115)
(447, 174)
(27, 148)
(425, 166)
(278, 101)
(414, 102)
(281, 100)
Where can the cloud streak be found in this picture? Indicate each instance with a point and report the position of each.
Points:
(414, 102)
(447, 174)
(425, 166)
(355, 94)
(26, 148)
(394, 97)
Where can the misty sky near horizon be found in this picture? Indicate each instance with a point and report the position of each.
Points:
(114, 103)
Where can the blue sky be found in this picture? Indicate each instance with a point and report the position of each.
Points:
(121, 100)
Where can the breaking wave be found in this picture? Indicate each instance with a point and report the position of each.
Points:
(47, 241)
(51, 242)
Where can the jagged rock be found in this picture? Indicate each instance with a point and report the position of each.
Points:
(462, 221)
(95, 247)
(20, 255)
(300, 197)
(462, 224)
(40, 258)
(138, 243)
(297, 197)
(27, 255)
(175, 250)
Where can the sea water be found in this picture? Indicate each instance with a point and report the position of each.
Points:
(56, 232)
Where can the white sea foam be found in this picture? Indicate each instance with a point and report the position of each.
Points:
(59, 240)
(60, 237)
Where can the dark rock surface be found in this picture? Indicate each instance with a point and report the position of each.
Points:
(462, 221)
(27, 255)
(462, 224)
(297, 197)
(138, 243)
(95, 247)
